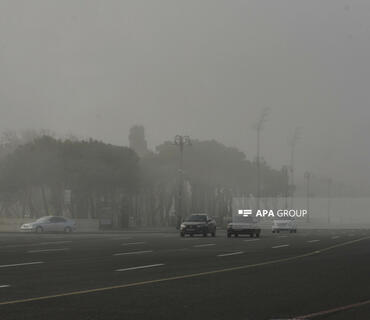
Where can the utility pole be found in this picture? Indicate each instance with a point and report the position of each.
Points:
(307, 177)
(292, 143)
(181, 141)
(286, 184)
(259, 127)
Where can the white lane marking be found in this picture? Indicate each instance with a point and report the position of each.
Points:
(281, 246)
(20, 264)
(311, 241)
(132, 252)
(34, 244)
(230, 254)
(141, 267)
(250, 240)
(204, 245)
(122, 238)
(282, 236)
(335, 237)
(48, 250)
(4, 286)
(52, 242)
(132, 243)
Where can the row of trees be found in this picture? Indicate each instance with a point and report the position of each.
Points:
(92, 179)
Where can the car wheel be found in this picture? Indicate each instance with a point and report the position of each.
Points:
(295, 231)
(67, 230)
(182, 234)
(213, 234)
(229, 235)
(191, 235)
(39, 229)
(277, 231)
(251, 235)
(236, 235)
(205, 234)
(257, 235)
(273, 231)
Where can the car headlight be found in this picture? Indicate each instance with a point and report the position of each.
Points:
(182, 226)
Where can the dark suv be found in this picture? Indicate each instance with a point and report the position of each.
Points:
(198, 224)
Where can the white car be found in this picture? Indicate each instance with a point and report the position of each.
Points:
(242, 225)
(284, 225)
(50, 224)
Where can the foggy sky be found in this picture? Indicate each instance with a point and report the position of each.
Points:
(200, 67)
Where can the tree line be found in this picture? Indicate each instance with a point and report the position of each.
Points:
(93, 179)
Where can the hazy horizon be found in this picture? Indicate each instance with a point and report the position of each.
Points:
(205, 69)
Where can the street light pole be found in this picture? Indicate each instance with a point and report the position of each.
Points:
(307, 176)
(181, 141)
(293, 142)
(258, 127)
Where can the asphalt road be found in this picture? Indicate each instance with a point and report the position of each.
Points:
(137, 275)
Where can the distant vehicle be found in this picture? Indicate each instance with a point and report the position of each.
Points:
(198, 224)
(50, 224)
(243, 225)
(284, 225)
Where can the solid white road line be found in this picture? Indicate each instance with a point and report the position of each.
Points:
(230, 254)
(204, 245)
(52, 242)
(48, 250)
(141, 267)
(20, 264)
(335, 237)
(311, 241)
(132, 243)
(33, 244)
(281, 246)
(249, 240)
(4, 286)
(132, 252)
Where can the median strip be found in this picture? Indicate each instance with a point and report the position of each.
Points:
(141, 267)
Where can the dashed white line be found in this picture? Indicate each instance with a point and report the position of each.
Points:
(281, 246)
(249, 240)
(4, 286)
(311, 241)
(48, 250)
(132, 252)
(282, 236)
(230, 254)
(141, 267)
(204, 245)
(132, 243)
(20, 264)
(335, 237)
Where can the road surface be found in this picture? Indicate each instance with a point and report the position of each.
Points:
(140, 275)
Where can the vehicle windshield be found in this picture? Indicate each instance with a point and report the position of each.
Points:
(43, 219)
(196, 218)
